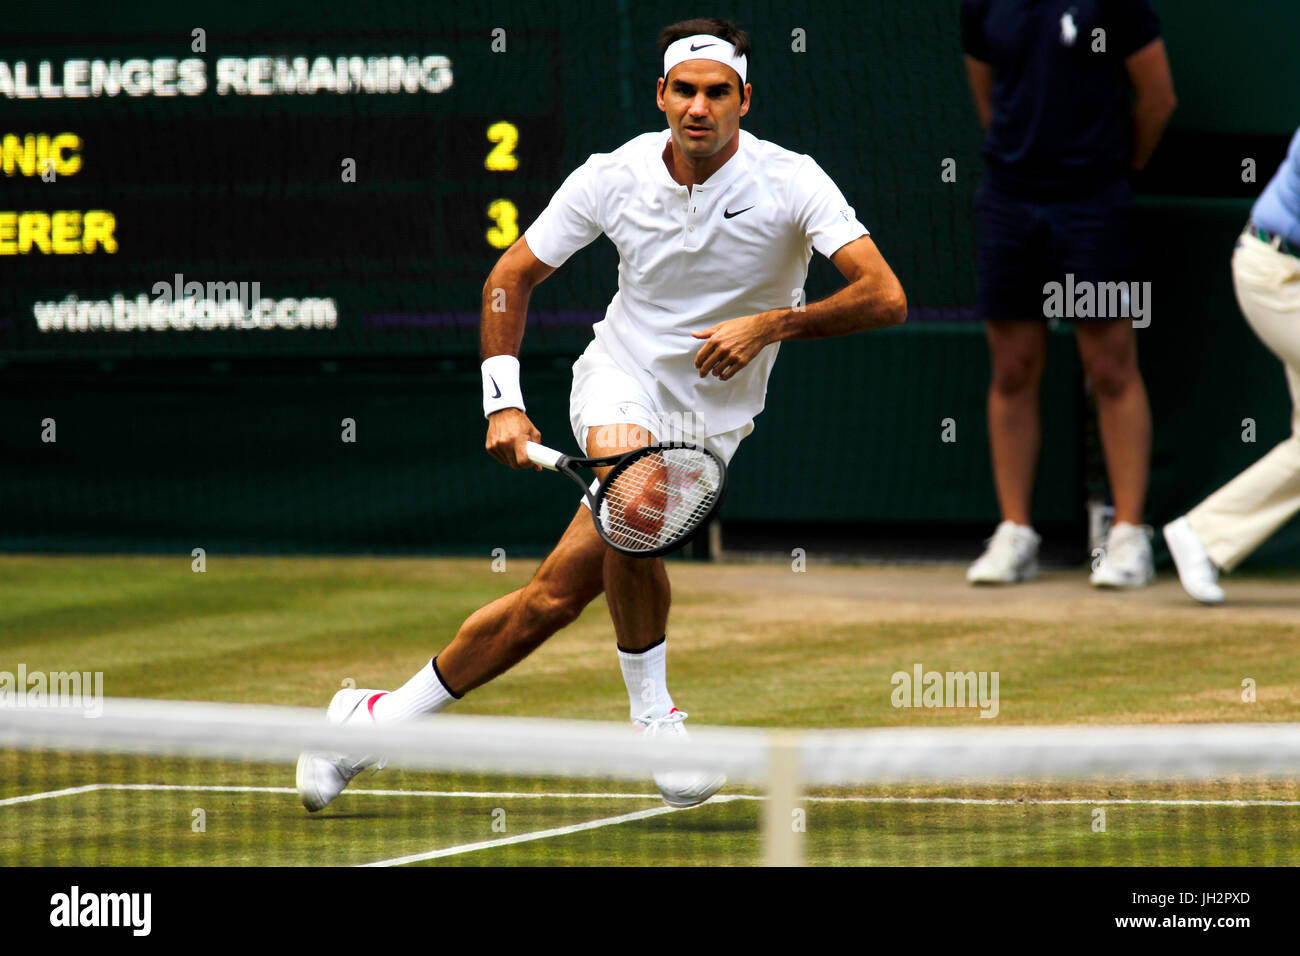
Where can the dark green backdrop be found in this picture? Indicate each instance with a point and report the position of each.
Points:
(235, 446)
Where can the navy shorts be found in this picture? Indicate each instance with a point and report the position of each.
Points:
(1022, 244)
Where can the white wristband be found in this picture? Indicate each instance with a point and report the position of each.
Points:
(501, 384)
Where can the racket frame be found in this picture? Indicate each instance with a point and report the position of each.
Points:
(553, 460)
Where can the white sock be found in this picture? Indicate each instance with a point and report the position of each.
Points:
(425, 693)
(645, 675)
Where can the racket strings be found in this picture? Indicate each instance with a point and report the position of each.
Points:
(660, 498)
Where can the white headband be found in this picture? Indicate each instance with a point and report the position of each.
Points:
(704, 47)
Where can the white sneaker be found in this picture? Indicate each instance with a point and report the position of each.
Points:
(1011, 556)
(679, 788)
(1127, 562)
(1197, 572)
(323, 776)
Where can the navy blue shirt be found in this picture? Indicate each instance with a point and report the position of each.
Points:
(1060, 121)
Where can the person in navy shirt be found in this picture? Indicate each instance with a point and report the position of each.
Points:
(1226, 527)
(1051, 81)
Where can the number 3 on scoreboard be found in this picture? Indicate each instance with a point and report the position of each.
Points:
(506, 216)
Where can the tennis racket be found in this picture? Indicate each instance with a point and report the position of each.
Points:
(653, 500)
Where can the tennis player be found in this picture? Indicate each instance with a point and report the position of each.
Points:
(714, 230)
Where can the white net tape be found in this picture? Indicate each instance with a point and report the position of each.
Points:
(535, 746)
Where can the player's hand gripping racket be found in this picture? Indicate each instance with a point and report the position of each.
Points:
(653, 500)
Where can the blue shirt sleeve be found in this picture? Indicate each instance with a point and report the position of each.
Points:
(1278, 208)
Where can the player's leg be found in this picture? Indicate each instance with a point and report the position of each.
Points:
(490, 642)
(1092, 238)
(1008, 297)
(1109, 354)
(636, 589)
(637, 592)
(1018, 354)
(496, 637)
(1239, 517)
(610, 413)
(499, 635)
(1226, 527)
(639, 597)
(1108, 351)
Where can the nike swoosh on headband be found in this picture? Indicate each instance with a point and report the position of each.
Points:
(701, 46)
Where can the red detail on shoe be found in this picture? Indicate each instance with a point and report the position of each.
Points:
(673, 711)
(370, 704)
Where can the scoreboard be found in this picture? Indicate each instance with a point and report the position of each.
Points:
(328, 192)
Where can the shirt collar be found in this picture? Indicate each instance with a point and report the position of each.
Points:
(731, 169)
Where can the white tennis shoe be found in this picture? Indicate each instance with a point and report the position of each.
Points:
(1197, 572)
(679, 788)
(323, 776)
(1127, 561)
(1011, 556)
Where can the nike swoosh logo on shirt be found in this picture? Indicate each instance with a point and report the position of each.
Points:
(701, 46)
(728, 214)
(496, 386)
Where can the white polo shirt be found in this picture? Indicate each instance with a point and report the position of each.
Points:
(738, 244)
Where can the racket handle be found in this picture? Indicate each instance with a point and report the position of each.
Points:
(541, 455)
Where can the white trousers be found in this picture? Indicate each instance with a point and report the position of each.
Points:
(1237, 518)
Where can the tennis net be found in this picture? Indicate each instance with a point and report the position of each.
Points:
(193, 784)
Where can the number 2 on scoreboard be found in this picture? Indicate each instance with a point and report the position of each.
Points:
(506, 216)
(502, 158)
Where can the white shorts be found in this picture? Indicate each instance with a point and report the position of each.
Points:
(604, 394)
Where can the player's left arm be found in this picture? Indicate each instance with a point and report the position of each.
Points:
(1154, 100)
(872, 299)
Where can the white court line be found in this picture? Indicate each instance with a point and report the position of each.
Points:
(721, 798)
(525, 837)
(50, 794)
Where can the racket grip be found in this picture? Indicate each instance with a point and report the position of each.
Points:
(546, 457)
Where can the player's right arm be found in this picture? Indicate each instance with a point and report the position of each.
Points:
(501, 332)
(570, 221)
